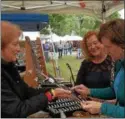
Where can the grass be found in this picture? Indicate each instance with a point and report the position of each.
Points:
(64, 71)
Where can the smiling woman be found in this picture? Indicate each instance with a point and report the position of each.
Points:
(17, 98)
(95, 69)
(10, 44)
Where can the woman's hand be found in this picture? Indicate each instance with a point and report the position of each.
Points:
(62, 93)
(82, 90)
(91, 106)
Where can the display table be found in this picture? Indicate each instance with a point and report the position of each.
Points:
(76, 114)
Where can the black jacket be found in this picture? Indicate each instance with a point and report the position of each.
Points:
(17, 99)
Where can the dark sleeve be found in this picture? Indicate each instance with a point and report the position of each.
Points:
(13, 106)
(33, 91)
(81, 73)
(29, 90)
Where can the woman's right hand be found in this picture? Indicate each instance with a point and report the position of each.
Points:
(82, 90)
(62, 93)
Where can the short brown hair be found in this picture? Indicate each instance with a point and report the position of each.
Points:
(84, 44)
(114, 31)
(9, 31)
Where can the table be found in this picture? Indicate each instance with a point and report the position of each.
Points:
(76, 114)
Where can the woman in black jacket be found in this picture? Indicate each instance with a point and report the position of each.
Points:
(17, 98)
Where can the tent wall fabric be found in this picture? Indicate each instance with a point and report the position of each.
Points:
(99, 8)
(27, 22)
(25, 17)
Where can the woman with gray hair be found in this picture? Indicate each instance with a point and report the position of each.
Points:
(18, 100)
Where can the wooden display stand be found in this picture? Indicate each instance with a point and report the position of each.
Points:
(34, 66)
(41, 56)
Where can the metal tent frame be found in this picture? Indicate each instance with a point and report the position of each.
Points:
(100, 8)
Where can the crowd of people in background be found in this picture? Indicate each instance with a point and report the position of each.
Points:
(62, 48)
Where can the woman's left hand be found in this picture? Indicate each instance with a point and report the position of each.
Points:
(91, 106)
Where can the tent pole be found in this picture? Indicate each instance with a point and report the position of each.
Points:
(56, 62)
(103, 11)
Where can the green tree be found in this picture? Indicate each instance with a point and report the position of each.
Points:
(115, 15)
(56, 22)
(62, 24)
(45, 31)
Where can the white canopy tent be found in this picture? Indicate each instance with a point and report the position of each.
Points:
(71, 38)
(31, 35)
(55, 38)
(51, 38)
(100, 8)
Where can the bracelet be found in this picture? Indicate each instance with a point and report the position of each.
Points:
(53, 93)
(49, 96)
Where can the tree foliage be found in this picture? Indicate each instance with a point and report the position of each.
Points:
(115, 15)
(79, 24)
(45, 31)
